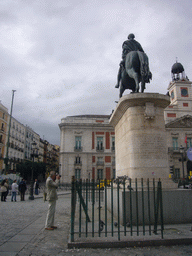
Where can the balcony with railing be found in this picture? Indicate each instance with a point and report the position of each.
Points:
(78, 149)
(100, 163)
(175, 150)
(79, 163)
(100, 149)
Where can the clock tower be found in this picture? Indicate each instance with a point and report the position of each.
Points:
(180, 93)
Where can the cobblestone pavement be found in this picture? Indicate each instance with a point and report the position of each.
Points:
(22, 233)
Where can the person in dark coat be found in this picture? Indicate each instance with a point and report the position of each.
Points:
(36, 187)
(22, 189)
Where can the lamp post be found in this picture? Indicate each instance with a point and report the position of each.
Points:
(6, 160)
(33, 155)
(182, 159)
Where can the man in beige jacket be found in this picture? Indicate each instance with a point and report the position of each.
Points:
(52, 184)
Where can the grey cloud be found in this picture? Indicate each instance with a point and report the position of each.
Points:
(75, 48)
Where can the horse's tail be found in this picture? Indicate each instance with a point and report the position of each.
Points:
(144, 67)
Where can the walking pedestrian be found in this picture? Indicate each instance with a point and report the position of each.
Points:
(7, 192)
(14, 187)
(4, 188)
(36, 187)
(22, 189)
(52, 184)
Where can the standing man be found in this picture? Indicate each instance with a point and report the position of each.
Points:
(14, 187)
(52, 184)
(36, 187)
(22, 189)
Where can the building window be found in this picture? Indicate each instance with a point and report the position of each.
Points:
(99, 143)
(171, 114)
(3, 115)
(1, 138)
(114, 174)
(100, 174)
(77, 142)
(175, 142)
(77, 174)
(189, 142)
(172, 95)
(2, 126)
(77, 159)
(177, 173)
(100, 161)
(113, 143)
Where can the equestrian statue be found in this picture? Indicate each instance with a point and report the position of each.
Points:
(134, 67)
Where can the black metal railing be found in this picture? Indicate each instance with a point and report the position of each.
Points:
(116, 209)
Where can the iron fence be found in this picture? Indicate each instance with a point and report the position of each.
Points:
(116, 209)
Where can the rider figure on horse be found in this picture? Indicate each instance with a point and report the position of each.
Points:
(129, 45)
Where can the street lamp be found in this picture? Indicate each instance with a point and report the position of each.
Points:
(33, 155)
(182, 159)
(6, 160)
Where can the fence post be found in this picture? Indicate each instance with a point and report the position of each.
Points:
(105, 208)
(99, 208)
(73, 204)
(86, 200)
(118, 209)
(161, 209)
(156, 209)
(93, 204)
(149, 210)
(137, 208)
(112, 207)
(131, 215)
(80, 206)
(124, 208)
(143, 206)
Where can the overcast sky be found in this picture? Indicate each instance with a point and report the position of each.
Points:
(62, 56)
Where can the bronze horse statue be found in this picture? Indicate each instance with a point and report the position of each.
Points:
(136, 70)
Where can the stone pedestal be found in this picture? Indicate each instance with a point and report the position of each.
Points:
(140, 136)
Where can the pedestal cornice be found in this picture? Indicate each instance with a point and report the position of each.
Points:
(137, 99)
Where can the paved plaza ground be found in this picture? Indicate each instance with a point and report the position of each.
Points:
(22, 232)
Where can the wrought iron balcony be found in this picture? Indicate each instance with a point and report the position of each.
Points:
(175, 149)
(78, 149)
(78, 163)
(101, 163)
(100, 149)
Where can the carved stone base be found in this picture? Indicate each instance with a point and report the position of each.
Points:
(140, 136)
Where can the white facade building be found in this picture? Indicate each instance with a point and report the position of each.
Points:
(87, 147)
(16, 143)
